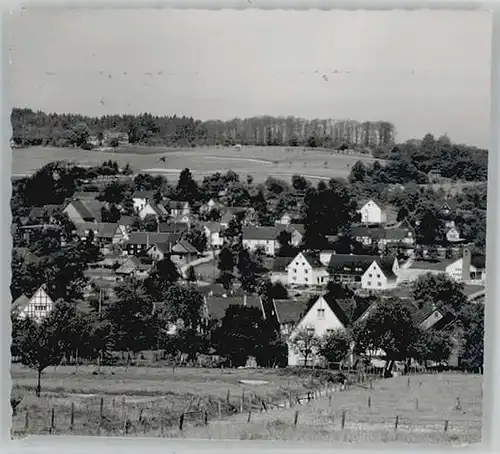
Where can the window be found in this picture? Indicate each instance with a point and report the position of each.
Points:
(378, 276)
(294, 278)
(369, 283)
(379, 284)
(329, 331)
(295, 270)
(306, 279)
(370, 275)
(310, 331)
(321, 314)
(306, 271)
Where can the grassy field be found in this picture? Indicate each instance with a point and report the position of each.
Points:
(259, 162)
(141, 395)
(419, 422)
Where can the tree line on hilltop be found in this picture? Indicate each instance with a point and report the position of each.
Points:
(64, 130)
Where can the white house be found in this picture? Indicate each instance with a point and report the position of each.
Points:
(285, 219)
(380, 275)
(373, 213)
(151, 208)
(324, 317)
(265, 237)
(36, 307)
(306, 269)
(469, 268)
(453, 235)
(178, 208)
(213, 233)
(141, 198)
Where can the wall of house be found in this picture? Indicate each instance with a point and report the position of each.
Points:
(300, 271)
(322, 320)
(145, 211)
(270, 246)
(39, 306)
(371, 213)
(375, 279)
(139, 204)
(454, 270)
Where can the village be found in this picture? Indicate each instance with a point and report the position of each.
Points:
(192, 236)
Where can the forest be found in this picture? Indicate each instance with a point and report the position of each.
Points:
(61, 130)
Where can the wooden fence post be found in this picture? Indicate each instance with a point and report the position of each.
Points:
(26, 421)
(181, 421)
(72, 420)
(371, 383)
(249, 415)
(330, 400)
(101, 409)
(342, 422)
(296, 418)
(123, 407)
(228, 396)
(369, 401)
(52, 420)
(205, 418)
(416, 403)
(162, 426)
(446, 426)
(220, 409)
(409, 382)
(396, 423)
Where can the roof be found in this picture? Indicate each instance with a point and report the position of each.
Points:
(83, 210)
(187, 246)
(85, 195)
(126, 221)
(279, 264)
(451, 202)
(129, 265)
(299, 227)
(176, 204)
(289, 310)
(212, 226)
(20, 303)
(313, 259)
(156, 207)
(431, 265)
(395, 233)
(260, 233)
(144, 238)
(358, 264)
(173, 227)
(363, 202)
(217, 305)
(107, 230)
(338, 309)
(143, 195)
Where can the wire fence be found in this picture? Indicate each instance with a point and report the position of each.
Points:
(123, 417)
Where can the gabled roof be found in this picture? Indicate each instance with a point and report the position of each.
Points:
(363, 202)
(313, 259)
(186, 247)
(158, 208)
(432, 266)
(338, 309)
(212, 226)
(144, 238)
(20, 303)
(289, 310)
(279, 264)
(143, 195)
(357, 264)
(217, 305)
(83, 210)
(129, 265)
(126, 221)
(450, 202)
(107, 230)
(260, 233)
(298, 227)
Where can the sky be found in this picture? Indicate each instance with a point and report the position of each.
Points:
(424, 71)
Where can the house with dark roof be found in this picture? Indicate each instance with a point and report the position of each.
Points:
(403, 235)
(141, 198)
(306, 269)
(133, 266)
(263, 237)
(213, 232)
(373, 212)
(447, 205)
(183, 253)
(211, 205)
(288, 313)
(177, 208)
(173, 227)
(139, 242)
(215, 307)
(126, 223)
(324, 317)
(230, 213)
(278, 269)
(365, 271)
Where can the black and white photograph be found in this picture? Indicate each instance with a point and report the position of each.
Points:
(249, 224)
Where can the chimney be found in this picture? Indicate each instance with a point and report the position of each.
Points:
(466, 262)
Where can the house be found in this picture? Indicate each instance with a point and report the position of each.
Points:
(285, 219)
(132, 266)
(81, 211)
(126, 223)
(448, 205)
(248, 214)
(453, 235)
(187, 219)
(211, 205)
(44, 213)
(151, 208)
(213, 233)
(373, 213)
(324, 317)
(110, 233)
(419, 268)
(278, 271)
(36, 307)
(141, 198)
(288, 314)
(307, 269)
(363, 270)
(178, 208)
(184, 253)
(470, 268)
(297, 231)
(380, 275)
(140, 242)
(215, 307)
(160, 251)
(402, 235)
(264, 237)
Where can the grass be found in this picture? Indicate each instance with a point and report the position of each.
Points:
(141, 395)
(321, 421)
(281, 162)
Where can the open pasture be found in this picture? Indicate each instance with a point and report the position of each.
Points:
(426, 411)
(259, 162)
(139, 394)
